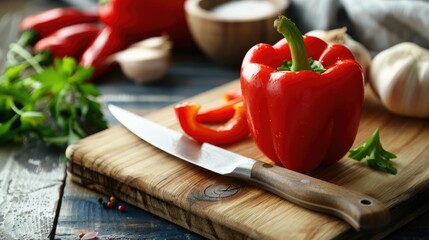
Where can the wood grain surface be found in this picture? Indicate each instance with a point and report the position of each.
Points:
(214, 206)
(31, 181)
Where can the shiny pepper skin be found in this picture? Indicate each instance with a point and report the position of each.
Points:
(302, 119)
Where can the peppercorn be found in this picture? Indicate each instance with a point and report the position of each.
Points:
(100, 200)
(109, 204)
(113, 199)
(81, 235)
(104, 204)
(121, 208)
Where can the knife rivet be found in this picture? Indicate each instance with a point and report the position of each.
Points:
(267, 165)
(365, 202)
(305, 181)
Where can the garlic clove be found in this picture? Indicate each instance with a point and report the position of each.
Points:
(145, 61)
(400, 78)
(161, 42)
(144, 65)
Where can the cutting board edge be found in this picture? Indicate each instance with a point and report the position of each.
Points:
(219, 231)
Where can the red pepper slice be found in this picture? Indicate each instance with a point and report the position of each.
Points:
(233, 94)
(69, 41)
(232, 131)
(44, 23)
(218, 114)
(300, 118)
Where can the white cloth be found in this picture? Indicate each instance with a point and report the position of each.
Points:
(377, 24)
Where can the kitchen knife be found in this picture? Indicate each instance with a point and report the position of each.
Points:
(359, 210)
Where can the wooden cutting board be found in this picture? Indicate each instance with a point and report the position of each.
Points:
(116, 162)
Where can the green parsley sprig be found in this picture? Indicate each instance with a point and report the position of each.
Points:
(375, 155)
(54, 103)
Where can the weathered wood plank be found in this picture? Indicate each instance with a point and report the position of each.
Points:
(81, 212)
(31, 179)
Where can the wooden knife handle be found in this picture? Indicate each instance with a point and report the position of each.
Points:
(359, 210)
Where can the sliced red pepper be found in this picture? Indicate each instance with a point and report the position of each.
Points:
(44, 23)
(219, 114)
(233, 94)
(69, 41)
(232, 131)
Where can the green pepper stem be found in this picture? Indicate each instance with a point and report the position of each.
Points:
(28, 38)
(22, 52)
(296, 43)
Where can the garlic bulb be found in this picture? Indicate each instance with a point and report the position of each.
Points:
(400, 77)
(361, 54)
(145, 61)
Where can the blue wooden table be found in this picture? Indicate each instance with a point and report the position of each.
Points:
(37, 198)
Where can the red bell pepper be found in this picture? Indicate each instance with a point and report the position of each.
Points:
(69, 41)
(300, 118)
(232, 131)
(42, 24)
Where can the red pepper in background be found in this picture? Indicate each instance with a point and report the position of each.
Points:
(129, 21)
(300, 118)
(42, 24)
(139, 19)
(232, 131)
(108, 42)
(69, 41)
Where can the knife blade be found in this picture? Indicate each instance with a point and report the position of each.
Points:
(357, 209)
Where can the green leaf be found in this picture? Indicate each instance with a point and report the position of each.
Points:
(14, 72)
(68, 66)
(376, 156)
(73, 137)
(60, 141)
(33, 118)
(52, 102)
(81, 74)
(89, 89)
(49, 77)
(5, 127)
(14, 93)
(39, 93)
